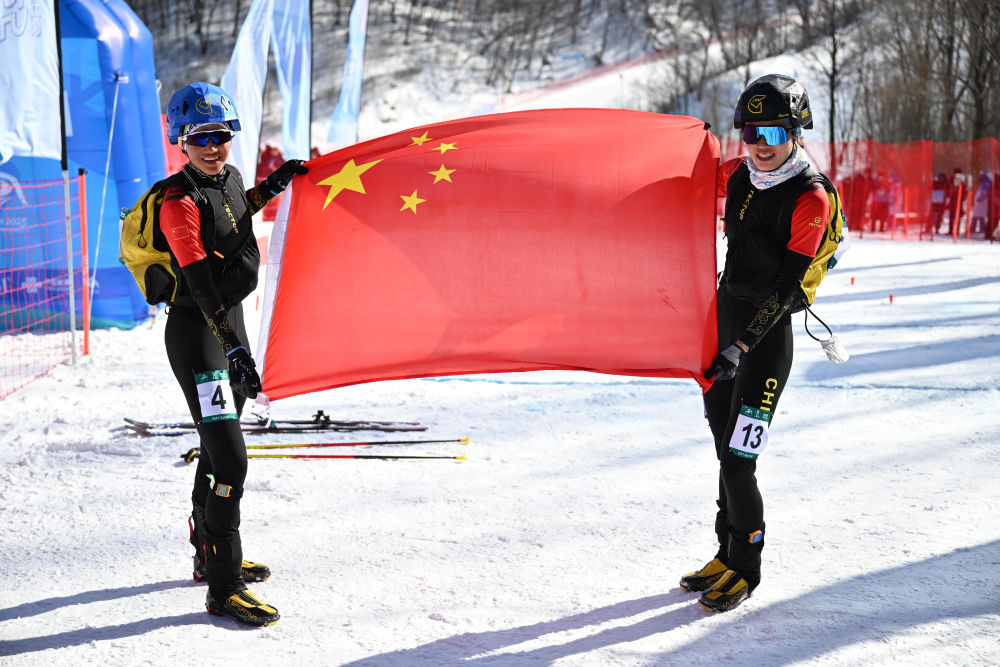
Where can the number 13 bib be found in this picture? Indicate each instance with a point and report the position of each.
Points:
(750, 435)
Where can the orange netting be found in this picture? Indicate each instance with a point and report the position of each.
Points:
(34, 279)
(918, 190)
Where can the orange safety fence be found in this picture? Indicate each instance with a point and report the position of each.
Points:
(917, 190)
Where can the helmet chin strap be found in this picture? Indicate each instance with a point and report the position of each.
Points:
(199, 171)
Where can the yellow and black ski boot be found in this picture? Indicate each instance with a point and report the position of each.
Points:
(728, 591)
(702, 579)
(252, 572)
(244, 607)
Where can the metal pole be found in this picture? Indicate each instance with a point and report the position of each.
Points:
(65, 173)
(84, 264)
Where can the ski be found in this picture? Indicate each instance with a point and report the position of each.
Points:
(143, 429)
(318, 419)
(322, 418)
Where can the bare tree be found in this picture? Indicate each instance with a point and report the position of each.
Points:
(980, 77)
(923, 69)
(933, 70)
(827, 22)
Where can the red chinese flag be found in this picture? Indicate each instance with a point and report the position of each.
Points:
(551, 239)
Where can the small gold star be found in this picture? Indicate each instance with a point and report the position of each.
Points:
(444, 148)
(442, 174)
(419, 141)
(411, 202)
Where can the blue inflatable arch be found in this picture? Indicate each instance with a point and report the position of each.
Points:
(107, 52)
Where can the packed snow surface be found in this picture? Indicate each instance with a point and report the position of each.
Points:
(561, 539)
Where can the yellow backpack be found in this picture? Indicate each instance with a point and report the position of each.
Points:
(835, 242)
(142, 248)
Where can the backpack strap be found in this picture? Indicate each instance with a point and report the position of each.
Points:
(838, 204)
(207, 214)
(149, 213)
(196, 193)
(234, 174)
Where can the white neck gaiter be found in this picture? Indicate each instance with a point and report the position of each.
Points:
(796, 163)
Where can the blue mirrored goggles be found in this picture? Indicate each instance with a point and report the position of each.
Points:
(773, 135)
(218, 137)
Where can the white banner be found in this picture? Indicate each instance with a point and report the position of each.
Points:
(244, 81)
(292, 42)
(343, 130)
(29, 79)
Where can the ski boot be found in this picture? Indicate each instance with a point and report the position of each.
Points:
(702, 579)
(252, 572)
(244, 607)
(738, 582)
(728, 591)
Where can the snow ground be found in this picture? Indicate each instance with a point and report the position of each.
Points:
(561, 540)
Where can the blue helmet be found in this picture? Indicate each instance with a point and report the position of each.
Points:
(196, 104)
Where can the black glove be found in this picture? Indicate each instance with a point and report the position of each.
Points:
(242, 373)
(725, 363)
(278, 180)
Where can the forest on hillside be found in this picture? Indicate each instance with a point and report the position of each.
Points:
(894, 70)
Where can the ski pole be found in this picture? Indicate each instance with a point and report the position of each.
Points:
(463, 441)
(193, 453)
(384, 457)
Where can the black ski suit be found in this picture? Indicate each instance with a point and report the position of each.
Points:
(773, 234)
(215, 255)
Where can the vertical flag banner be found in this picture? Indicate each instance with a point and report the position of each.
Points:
(29, 79)
(244, 81)
(549, 239)
(292, 43)
(344, 121)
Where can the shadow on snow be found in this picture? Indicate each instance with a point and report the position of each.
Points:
(867, 607)
(911, 290)
(91, 634)
(916, 356)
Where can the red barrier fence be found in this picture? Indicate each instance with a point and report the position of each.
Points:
(918, 190)
(35, 299)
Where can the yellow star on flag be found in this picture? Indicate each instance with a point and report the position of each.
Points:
(419, 141)
(444, 148)
(411, 202)
(348, 178)
(442, 174)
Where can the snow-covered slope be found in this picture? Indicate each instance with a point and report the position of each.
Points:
(561, 540)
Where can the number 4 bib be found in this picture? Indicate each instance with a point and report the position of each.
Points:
(750, 436)
(215, 396)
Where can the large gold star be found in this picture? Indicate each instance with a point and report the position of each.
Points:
(348, 178)
(411, 202)
(419, 141)
(442, 174)
(444, 148)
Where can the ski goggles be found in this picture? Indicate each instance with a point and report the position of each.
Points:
(218, 137)
(773, 135)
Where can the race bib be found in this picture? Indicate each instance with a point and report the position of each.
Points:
(215, 396)
(750, 436)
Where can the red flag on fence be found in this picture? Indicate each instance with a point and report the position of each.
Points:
(550, 239)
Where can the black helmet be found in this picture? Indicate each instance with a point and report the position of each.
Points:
(774, 97)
